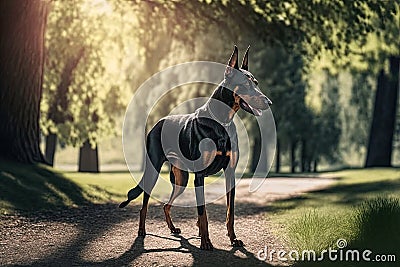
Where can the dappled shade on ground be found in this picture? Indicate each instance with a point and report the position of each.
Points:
(102, 235)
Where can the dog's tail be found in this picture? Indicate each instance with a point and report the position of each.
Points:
(154, 160)
(147, 182)
(132, 194)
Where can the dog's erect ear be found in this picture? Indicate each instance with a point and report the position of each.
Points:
(245, 62)
(233, 61)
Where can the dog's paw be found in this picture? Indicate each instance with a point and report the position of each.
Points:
(142, 232)
(176, 230)
(206, 244)
(237, 243)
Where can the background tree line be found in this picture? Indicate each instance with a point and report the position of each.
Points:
(322, 63)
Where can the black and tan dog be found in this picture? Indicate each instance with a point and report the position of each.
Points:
(203, 142)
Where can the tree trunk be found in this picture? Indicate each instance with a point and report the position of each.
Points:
(303, 156)
(383, 121)
(88, 158)
(22, 27)
(51, 144)
(293, 156)
(315, 166)
(278, 157)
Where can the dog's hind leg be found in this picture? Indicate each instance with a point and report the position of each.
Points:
(147, 184)
(179, 180)
(143, 213)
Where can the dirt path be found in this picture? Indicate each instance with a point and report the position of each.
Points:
(102, 235)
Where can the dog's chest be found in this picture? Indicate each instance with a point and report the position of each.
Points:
(210, 145)
(204, 146)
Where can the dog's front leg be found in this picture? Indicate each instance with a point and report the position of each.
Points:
(230, 201)
(202, 222)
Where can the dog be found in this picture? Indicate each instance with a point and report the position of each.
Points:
(204, 142)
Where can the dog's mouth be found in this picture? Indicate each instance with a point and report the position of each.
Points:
(246, 107)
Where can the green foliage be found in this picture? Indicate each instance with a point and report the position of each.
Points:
(80, 102)
(328, 130)
(286, 83)
(125, 42)
(281, 78)
(361, 101)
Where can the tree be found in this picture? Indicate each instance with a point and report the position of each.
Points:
(84, 81)
(386, 49)
(360, 115)
(22, 27)
(60, 104)
(383, 122)
(328, 124)
(284, 83)
(300, 24)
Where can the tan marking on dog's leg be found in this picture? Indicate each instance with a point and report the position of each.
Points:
(230, 217)
(178, 188)
(203, 232)
(233, 159)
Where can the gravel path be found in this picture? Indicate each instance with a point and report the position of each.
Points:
(103, 235)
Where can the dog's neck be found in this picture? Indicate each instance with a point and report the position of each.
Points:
(221, 105)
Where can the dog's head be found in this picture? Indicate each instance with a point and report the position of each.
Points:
(244, 85)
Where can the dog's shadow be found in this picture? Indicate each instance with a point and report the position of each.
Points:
(216, 257)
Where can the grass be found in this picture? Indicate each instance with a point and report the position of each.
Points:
(32, 187)
(362, 207)
(378, 225)
(26, 188)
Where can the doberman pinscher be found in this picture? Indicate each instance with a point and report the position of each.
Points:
(206, 142)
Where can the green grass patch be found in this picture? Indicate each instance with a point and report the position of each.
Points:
(34, 187)
(362, 207)
(27, 188)
(39, 187)
(378, 223)
(316, 230)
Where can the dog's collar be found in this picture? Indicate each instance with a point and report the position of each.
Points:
(225, 124)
